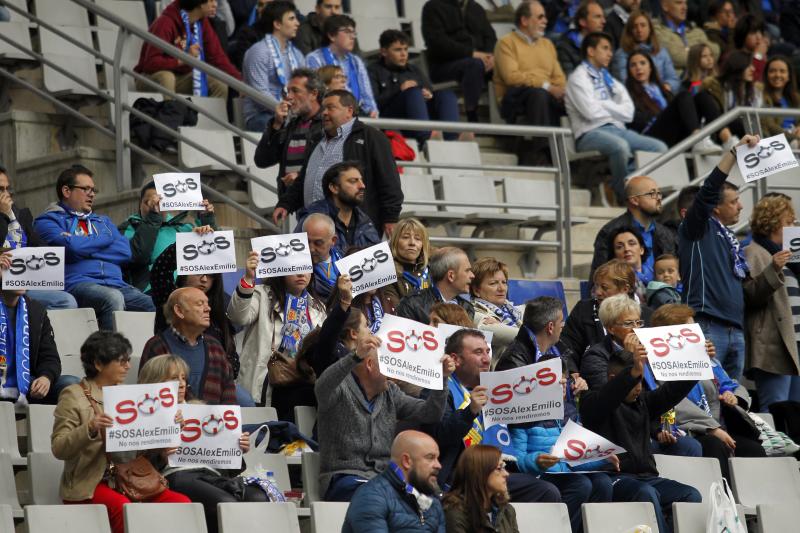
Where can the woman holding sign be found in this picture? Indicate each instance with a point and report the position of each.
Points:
(276, 316)
(201, 484)
(772, 317)
(478, 500)
(78, 430)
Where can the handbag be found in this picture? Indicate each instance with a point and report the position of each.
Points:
(282, 370)
(137, 480)
(722, 514)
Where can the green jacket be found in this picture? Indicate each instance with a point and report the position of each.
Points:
(149, 236)
(458, 521)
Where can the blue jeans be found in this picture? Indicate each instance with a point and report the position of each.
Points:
(774, 388)
(577, 489)
(342, 487)
(661, 492)
(258, 122)
(729, 342)
(618, 144)
(411, 105)
(243, 398)
(105, 300)
(54, 299)
(61, 383)
(685, 447)
(5, 14)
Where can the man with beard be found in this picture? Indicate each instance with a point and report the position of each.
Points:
(297, 123)
(357, 416)
(344, 188)
(348, 139)
(404, 496)
(643, 200)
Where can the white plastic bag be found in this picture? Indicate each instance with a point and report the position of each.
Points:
(722, 515)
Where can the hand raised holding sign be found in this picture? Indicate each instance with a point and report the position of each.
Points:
(448, 365)
(367, 347)
(98, 423)
(345, 287)
(250, 267)
(477, 399)
(635, 347)
(711, 350)
(244, 442)
(202, 230)
(545, 461)
(5, 260)
(780, 259)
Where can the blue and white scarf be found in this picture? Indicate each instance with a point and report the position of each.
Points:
(375, 314)
(506, 314)
(740, 266)
(352, 75)
(788, 122)
(275, 53)
(423, 281)
(423, 500)
(326, 270)
(680, 29)
(602, 81)
(497, 435)
(194, 35)
(655, 94)
(15, 353)
(74, 228)
(296, 323)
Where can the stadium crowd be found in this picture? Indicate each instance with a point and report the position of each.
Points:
(628, 76)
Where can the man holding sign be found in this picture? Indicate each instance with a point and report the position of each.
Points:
(713, 266)
(358, 410)
(463, 426)
(621, 412)
(151, 231)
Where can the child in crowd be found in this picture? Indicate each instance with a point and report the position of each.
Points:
(333, 77)
(666, 287)
(700, 65)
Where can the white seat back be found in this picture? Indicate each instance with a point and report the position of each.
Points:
(470, 189)
(18, 31)
(137, 327)
(671, 176)
(71, 327)
(8, 487)
(417, 187)
(461, 153)
(242, 516)
(40, 427)
(6, 518)
(220, 142)
(68, 56)
(107, 40)
(260, 196)
(67, 519)
(60, 13)
(214, 106)
(258, 415)
(617, 517)
(537, 517)
(328, 517)
(310, 473)
(691, 517)
(765, 480)
(778, 517)
(305, 416)
(45, 474)
(697, 472)
(132, 12)
(164, 518)
(8, 433)
(528, 191)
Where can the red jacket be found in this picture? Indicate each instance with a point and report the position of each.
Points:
(169, 27)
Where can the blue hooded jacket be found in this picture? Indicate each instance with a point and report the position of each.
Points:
(95, 258)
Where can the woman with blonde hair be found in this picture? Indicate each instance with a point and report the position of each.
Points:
(333, 77)
(410, 247)
(772, 314)
(478, 500)
(202, 484)
(493, 310)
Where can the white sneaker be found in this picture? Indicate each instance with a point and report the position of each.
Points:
(707, 146)
(730, 143)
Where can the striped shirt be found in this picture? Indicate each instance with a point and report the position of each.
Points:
(793, 290)
(327, 153)
(296, 150)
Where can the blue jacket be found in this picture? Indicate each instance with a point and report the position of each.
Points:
(539, 437)
(94, 258)
(709, 285)
(383, 506)
(662, 61)
(365, 235)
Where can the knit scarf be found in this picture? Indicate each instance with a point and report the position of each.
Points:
(423, 500)
(16, 236)
(352, 76)
(275, 52)
(601, 80)
(423, 281)
(655, 94)
(740, 267)
(15, 355)
(296, 323)
(374, 314)
(194, 35)
(326, 270)
(506, 313)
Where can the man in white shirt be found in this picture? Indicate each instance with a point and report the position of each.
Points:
(599, 106)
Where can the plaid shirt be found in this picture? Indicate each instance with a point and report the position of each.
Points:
(327, 153)
(218, 386)
(261, 73)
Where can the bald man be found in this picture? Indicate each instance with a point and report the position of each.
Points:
(643, 202)
(385, 503)
(210, 375)
(322, 240)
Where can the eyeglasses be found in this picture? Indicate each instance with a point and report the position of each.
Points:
(632, 324)
(654, 195)
(86, 189)
(349, 31)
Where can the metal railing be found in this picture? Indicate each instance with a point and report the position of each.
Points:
(124, 147)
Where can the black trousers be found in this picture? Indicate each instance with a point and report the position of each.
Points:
(708, 108)
(195, 485)
(467, 71)
(745, 447)
(677, 121)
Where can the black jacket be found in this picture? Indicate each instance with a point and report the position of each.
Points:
(614, 27)
(449, 434)
(594, 363)
(665, 241)
(417, 306)
(371, 148)
(364, 235)
(569, 55)
(583, 328)
(25, 219)
(309, 35)
(386, 80)
(44, 357)
(605, 412)
(274, 144)
(451, 33)
(522, 352)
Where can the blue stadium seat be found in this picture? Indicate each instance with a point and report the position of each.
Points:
(522, 290)
(586, 290)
